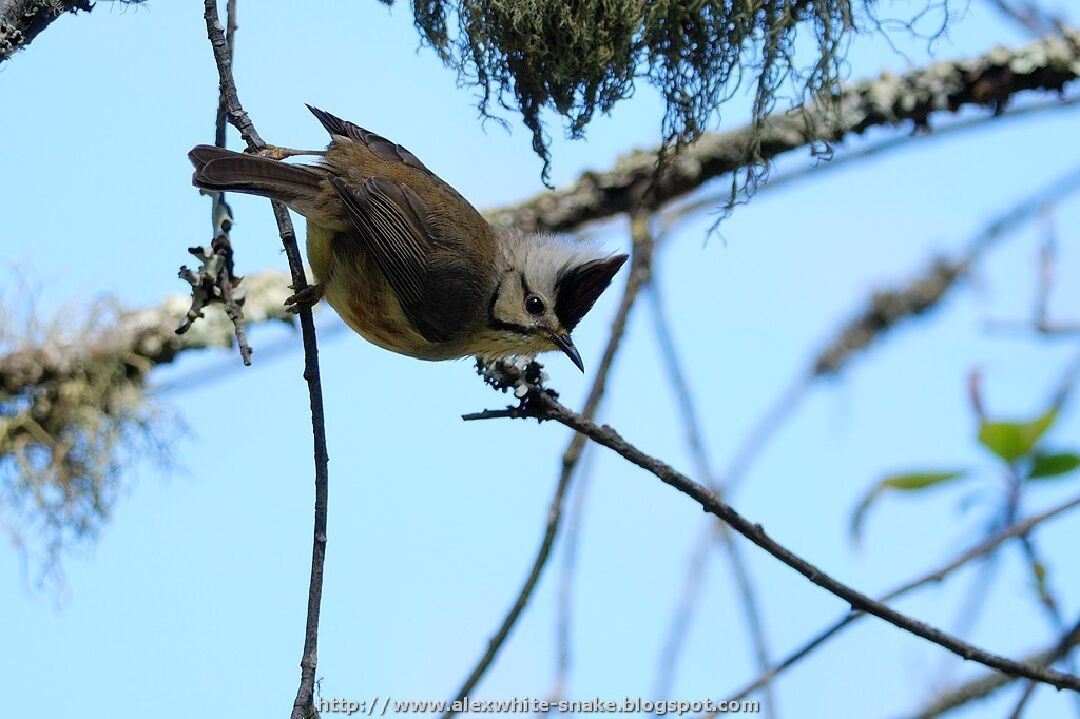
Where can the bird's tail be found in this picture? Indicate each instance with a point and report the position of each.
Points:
(221, 170)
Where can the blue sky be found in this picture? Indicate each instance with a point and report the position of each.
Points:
(194, 595)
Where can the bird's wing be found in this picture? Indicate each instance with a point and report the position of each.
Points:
(378, 145)
(434, 280)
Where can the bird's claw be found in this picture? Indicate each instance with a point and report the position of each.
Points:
(307, 297)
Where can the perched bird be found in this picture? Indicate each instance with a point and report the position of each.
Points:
(407, 262)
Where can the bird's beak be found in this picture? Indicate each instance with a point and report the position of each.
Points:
(563, 342)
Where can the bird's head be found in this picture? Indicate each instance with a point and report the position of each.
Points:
(546, 284)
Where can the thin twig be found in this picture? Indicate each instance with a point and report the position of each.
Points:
(564, 624)
(640, 268)
(1027, 14)
(685, 606)
(1041, 321)
(936, 576)
(220, 209)
(717, 531)
(916, 297)
(303, 705)
(1025, 696)
(541, 405)
(222, 119)
(216, 280)
(983, 686)
(886, 309)
(1051, 605)
(236, 315)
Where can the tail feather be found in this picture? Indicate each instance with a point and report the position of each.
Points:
(202, 154)
(220, 170)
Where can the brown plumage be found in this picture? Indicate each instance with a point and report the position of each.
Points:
(407, 262)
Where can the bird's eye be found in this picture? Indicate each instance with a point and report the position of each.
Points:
(534, 305)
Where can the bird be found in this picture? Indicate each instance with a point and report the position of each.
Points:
(407, 262)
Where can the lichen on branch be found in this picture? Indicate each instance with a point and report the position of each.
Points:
(75, 411)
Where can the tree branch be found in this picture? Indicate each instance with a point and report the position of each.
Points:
(888, 308)
(991, 80)
(935, 576)
(984, 686)
(140, 339)
(303, 705)
(17, 372)
(927, 291)
(23, 20)
(1028, 15)
(539, 404)
(717, 531)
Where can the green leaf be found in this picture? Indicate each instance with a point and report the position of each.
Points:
(1053, 464)
(919, 480)
(1013, 440)
(903, 482)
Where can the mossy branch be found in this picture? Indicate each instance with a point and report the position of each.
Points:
(74, 411)
(23, 20)
(992, 80)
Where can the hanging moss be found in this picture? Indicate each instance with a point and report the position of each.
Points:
(580, 56)
(65, 440)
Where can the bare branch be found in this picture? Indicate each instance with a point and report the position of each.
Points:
(986, 685)
(936, 576)
(685, 606)
(303, 705)
(221, 215)
(539, 404)
(717, 531)
(567, 575)
(1028, 15)
(1041, 322)
(926, 291)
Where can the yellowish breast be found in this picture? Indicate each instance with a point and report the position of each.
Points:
(360, 294)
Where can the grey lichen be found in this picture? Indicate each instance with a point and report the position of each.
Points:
(22, 20)
(64, 439)
(75, 411)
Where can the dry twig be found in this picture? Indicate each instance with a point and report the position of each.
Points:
(539, 404)
(303, 705)
(717, 531)
(984, 686)
(936, 576)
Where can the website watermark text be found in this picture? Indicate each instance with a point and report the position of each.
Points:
(388, 706)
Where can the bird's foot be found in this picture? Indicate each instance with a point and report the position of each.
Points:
(280, 153)
(307, 297)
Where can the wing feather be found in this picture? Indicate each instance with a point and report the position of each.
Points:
(392, 221)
